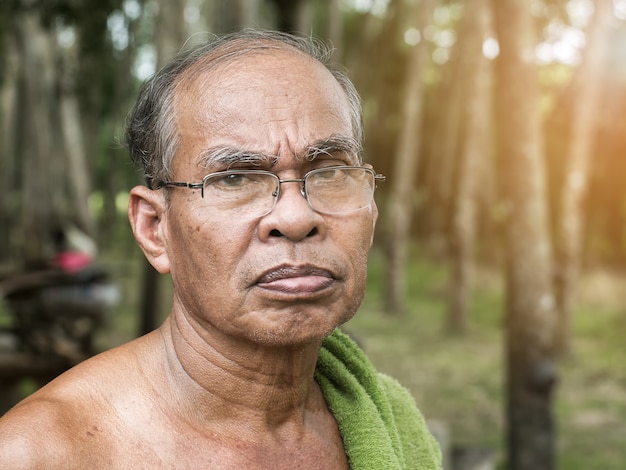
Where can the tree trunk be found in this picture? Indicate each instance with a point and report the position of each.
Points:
(441, 168)
(170, 32)
(117, 180)
(8, 148)
(531, 320)
(249, 12)
(35, 134)
(91, 80)
(225, 16)
(585, 115)
(476, 146)
(77, 174)
(335, 27)
(400, 205)
(289, 15)
(380, 84)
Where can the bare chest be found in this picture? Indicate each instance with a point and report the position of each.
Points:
(167, 449)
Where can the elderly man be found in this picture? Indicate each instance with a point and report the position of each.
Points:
(260, 207)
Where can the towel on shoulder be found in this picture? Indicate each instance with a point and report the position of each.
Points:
(378, 419)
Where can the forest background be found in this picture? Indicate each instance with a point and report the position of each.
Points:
(497, 279)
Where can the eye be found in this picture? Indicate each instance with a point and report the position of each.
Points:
(233, 179)
(328, 173)
(227, 180)
(240, 182)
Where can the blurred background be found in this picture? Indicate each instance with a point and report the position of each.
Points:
(497, 288)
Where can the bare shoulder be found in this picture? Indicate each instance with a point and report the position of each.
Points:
(34, 434)
(67, 422)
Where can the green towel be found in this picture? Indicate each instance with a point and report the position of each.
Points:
(381, 427)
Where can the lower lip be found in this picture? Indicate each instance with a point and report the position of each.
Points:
(298, 285)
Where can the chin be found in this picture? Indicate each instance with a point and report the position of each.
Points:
(295, 326)
(294, 335)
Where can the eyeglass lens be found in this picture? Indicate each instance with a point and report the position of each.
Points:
(254, 193)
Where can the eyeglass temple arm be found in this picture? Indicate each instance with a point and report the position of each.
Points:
(179, 184)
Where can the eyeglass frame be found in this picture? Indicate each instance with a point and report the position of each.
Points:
(276, 194)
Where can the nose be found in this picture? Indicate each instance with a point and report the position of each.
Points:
(292, 217)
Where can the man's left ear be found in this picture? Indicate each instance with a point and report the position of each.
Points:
(146, 208)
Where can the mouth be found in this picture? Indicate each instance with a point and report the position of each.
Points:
(296, 279)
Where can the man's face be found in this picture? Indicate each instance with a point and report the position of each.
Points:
(293, 275)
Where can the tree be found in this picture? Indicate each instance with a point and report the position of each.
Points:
(400, 206)
(289, 14)
(79, 175)
(371, 39)
(40, 201)
(170, 30)
(8, 145)
(585, 115)
(48, 115)
(530, 316)
(335, 25)
(473, 157)
(443, 149)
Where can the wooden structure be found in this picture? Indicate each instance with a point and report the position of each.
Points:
(53, 316)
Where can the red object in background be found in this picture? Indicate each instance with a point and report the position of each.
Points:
(72, 261)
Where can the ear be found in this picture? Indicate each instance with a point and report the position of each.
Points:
(146, 210)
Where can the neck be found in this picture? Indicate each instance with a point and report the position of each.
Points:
(232, 380)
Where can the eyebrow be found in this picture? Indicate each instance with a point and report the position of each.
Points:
(225, 156)
(331, 145)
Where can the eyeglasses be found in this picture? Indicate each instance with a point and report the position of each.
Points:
(332, 190)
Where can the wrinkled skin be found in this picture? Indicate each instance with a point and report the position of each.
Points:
(216, 261)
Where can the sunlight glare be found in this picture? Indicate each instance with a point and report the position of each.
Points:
(132, 8)
(119, 30)
(145, 64)
(619, 8)
(491, 48)
(375, 7)
(566, 53)
(66, 37)
(562, 42)
(441, 55)
(445, 38)
(192, 14)
(412, 36)
(579, 12)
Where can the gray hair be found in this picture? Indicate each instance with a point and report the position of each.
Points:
(151, 135)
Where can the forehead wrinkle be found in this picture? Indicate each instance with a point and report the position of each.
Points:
(225, 156)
